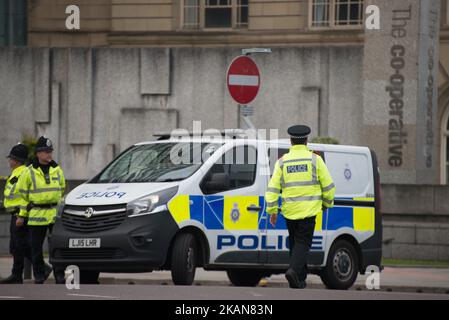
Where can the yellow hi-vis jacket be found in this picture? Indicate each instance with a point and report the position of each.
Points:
(303, 181)
(37, 190)
(13, 201)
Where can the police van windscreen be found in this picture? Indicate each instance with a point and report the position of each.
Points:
(158, 162)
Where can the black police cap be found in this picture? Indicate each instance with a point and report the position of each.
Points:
(299, 131)
(43, 144)
(19, 152)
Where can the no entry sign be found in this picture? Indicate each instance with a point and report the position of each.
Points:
(243, 79)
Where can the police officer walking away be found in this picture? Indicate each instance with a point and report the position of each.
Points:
(18, 245)
(41, 186)
(306, 187)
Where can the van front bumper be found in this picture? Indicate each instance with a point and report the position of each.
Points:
(138, 244)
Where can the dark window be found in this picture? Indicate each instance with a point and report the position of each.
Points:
(348, 12)
(218, 17)
(330, 13)
(242, 13)
(200, 14)
(342, 12)
(20, 22)
(13, 22)
(4, 21)
(236, 169)
(447, 160)
(355, 11)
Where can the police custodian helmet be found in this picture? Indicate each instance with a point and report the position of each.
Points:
(299, 131)
(19, 153)
(43, 144)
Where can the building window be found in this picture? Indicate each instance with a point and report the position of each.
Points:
(336, 13)
(13, 22)
(4, 22)
(447, 156)
(212, 14)
(446, 138)
(218, 14)
(320, 13)
(445, 148)
(191, 14)
(242, 14)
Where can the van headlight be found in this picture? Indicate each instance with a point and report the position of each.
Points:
(152, 203)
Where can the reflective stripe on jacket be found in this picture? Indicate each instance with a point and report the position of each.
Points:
(36, 189)
(303, 181)
(13, 201)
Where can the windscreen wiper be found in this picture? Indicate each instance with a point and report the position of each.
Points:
(170, 180)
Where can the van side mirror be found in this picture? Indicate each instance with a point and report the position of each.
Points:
(216, 182)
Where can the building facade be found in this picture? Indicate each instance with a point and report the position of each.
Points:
(137, 67)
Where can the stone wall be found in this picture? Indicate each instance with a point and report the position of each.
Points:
(425, 203)
(93, 103)
(416, 241)
(415, 222)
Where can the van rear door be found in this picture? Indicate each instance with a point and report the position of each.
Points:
(352, 174)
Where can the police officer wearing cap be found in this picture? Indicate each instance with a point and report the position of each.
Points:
(18, 245)
(41, 186)
(303, 181)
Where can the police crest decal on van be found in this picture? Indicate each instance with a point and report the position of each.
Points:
(235, 213)
(348, 174)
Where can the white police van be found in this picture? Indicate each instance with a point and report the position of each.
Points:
(146, 212)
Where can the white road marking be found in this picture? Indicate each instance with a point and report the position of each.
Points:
(9, 297)
(256, 294)
(90, 296)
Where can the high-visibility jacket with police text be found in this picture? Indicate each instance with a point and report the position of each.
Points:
(13, 202)
(41, 193)
(304, 183)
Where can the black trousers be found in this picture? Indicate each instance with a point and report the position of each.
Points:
(19, 246)
(37, 237)
(300, 233)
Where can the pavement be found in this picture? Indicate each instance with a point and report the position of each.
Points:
(392, 279)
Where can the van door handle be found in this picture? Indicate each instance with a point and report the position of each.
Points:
(254, 208)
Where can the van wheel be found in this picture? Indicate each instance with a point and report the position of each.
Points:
(89, 277)
(341, 268)
(244, 277)
(184, 259)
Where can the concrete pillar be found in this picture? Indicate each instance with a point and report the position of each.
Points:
(400, 90)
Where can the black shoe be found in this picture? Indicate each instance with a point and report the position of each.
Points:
(39, 281)
(292, 278)
(48, 270)
(12, 279)
(302, 285)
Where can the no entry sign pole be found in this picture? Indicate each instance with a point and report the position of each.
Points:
(243, 81)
